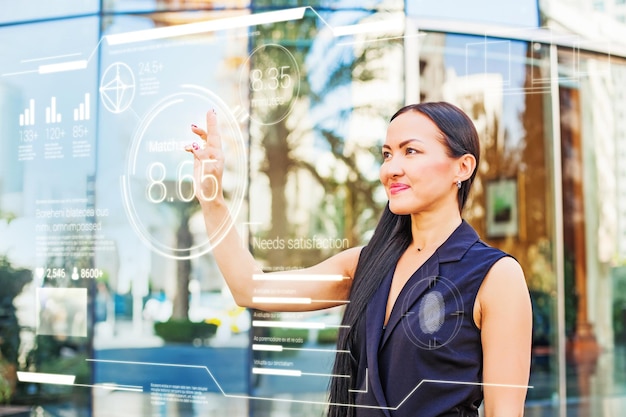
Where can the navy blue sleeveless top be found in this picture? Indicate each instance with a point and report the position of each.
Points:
(427, 361)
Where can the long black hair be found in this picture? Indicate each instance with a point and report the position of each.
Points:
(391, 238)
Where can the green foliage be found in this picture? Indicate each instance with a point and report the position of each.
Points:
(544, 319)
(349, 208)
(184, 331)
(619, 321)
(570, 294)
(55, 355)
(327, 336)
(290, 337)
(618, 274)
(12, 281)
(6, 388)
(71, 365)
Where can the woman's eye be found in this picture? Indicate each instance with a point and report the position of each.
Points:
(386, 155)
(411, 151)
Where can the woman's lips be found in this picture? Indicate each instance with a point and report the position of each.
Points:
(397, 188)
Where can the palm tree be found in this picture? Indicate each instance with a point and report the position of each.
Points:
(352, 196)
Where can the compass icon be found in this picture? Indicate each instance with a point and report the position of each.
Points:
(117, 87)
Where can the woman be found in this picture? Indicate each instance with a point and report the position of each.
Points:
(436, 321)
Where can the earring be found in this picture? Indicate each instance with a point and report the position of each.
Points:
(458, 184)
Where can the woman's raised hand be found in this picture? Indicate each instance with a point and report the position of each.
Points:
(208, 161)
(236, 263)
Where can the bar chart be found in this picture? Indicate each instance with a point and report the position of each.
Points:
(51, 112)
(27, 117)
(82, 112)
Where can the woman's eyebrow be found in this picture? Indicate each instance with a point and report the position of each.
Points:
(402, 144)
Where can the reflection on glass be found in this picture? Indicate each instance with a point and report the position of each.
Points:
(62, 312)
(47, 215)
(111, 303)
(139, 6)
(314, 140)
(503, 86)
(590, 86)
(33, 10)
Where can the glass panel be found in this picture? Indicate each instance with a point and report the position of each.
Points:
(317, 122)
(106, 270)
(29, 10)
(593, 136)
(577, 17)
(136, 6)
(504, 87)
(329, 5)
(47, 213)
(116, 296)
(172, 334)
(517, 14)
(142, 6)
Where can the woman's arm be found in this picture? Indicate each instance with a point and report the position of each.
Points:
(505, 319)
(326, 284)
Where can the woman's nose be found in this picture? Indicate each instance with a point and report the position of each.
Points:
(394, 167)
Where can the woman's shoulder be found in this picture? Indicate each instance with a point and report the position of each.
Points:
(485, 248)
(486, 257)
(504, 275)
(505, 283)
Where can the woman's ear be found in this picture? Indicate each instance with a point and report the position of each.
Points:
(466, 166)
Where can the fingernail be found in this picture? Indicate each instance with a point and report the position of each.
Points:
(194, 126)
(195, 146)
(213, 110)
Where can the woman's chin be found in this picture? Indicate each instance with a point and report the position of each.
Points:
(399, 209)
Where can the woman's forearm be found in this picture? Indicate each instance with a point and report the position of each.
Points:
(234, 260)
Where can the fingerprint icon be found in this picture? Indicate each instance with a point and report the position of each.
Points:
(430, 303)
(432, 311)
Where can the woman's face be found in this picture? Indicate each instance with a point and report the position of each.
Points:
(416, 172)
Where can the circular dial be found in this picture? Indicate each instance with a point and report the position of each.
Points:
(271, 81)
(159, 185)
(437, 316)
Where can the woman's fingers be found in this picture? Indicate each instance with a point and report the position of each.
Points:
(201, 133)
(213, 138)
(193, 148)
(209, 159)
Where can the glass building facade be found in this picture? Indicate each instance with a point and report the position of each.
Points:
(110, 301)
